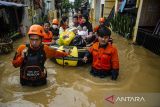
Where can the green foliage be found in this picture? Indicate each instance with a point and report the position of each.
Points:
(66, 5)
(77, 4)
(122, 24)
(41, 19)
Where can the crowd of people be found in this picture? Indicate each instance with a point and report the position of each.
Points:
(31, 57)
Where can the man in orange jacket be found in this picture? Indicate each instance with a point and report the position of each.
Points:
(31, 58)
(105, 56)
(47, 36)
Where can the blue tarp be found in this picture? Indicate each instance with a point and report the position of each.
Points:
(121, 8)
(10, 4)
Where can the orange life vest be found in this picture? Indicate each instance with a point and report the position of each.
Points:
(47, 37)
(104, 58)
(32, 67)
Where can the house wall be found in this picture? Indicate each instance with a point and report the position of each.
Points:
(150, 13)
(108, 5)
(98, 10)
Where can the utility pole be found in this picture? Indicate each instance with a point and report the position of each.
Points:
(48, 5)
(48, 8)
(102, 7)
(31, 10)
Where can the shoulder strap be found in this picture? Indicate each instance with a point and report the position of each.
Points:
(27, 45)
(43, 52)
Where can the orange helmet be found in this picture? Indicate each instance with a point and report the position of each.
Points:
(36, 29)
(55, 21)
(101, 20)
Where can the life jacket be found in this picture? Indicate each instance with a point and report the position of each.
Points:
(102, 57)
(32, 68)
(47, 37)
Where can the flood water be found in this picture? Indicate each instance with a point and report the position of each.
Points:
(75, 87)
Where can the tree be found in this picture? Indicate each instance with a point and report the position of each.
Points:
(66, 5)
(77, 4)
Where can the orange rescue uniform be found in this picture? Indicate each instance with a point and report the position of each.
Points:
(104, 59)
(18, 59)
(47, 37)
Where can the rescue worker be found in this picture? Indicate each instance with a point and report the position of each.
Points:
(54, 29)
(31, 58)
(105, 56)
(47, 36)
(102, 24)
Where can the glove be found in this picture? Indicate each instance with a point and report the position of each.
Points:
(114, 74)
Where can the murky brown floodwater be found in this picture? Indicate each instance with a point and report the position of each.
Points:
(75, 87)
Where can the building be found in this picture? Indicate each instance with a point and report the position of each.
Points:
(146, 13)
(101, 8)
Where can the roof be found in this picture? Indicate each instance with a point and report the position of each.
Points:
(10, 4)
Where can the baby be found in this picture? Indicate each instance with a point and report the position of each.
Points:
(83, 32)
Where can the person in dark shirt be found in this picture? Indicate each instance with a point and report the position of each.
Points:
(75, 21)
(64, 24)
(85, 22)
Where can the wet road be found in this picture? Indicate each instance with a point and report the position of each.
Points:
(75, 87)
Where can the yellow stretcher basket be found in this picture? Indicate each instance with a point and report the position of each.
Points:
(73, 53)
